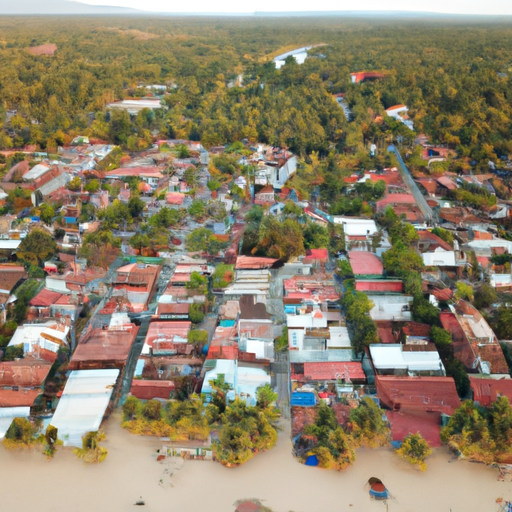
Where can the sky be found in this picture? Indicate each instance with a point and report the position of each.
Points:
(487, 7)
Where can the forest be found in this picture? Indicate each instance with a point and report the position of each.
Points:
(454, 77)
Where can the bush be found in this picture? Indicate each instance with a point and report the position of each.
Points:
(20, 433)
(131, 407)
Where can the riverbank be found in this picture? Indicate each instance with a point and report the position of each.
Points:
(29, 482)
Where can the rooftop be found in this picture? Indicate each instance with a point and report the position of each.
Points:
(365, 263)
(436, 394)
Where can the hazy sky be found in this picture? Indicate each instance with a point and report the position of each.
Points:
(220, 6)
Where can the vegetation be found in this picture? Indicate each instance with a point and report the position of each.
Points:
(196, 313)
(357, 307)
(367, 426)
(91, 450)
(21, 433)
(479, 434)
(37, 247)
(464, 291)
(223, 275)
(415, 450)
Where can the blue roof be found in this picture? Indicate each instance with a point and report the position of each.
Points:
(227, 323)
(312, 460)
(300, 399)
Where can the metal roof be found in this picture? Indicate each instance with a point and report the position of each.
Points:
(83, 404)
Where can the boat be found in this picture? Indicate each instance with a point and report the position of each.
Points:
(377, 490)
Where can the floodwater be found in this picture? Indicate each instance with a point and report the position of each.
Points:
(29, 482)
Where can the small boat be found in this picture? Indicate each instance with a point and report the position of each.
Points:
(378, 490)
(140, 502)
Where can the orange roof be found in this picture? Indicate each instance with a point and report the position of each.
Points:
(250, 262)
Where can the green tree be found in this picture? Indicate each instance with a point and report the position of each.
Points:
(92, 186)
(485, 296)
(464, 291)
(367, 425)
(75, 184)
(265, 396)
(440, 336)
(152, 410)
(196, 313)
(131, 408)
(415, 450)
(37, 247)
(20, 433)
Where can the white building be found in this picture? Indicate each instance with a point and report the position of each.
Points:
(391, 307)
(392, 358)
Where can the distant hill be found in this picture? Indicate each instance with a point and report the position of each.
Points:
(53, 7)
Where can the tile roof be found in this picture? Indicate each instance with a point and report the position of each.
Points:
(395, 199)
(22, 398)
(251, 262)
(426, 423)
(330, 371)
(10, 275)
(26, 372)
(45, 298)
(437, 394)
(365, 263)
(434, 241)
(486, 391)
(317, 254)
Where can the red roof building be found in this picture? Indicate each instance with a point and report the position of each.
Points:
(149, 389)
(21, 381)
(175, 198)
(254, 263)
(430, 242)
(379, 285)
(104, 348)
(394, 199)
(328, 371)
(365, 263)
(418, 394)
(316, 255)
(486, 391)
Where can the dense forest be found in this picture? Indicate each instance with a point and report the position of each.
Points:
(453, 76)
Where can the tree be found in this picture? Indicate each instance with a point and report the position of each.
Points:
(37, 247)
(197, 337)
(91, 450)
(196, 313)
(500, 423)
(131, 407)
(47, 213)
(198, 282)
(345, 269)
(463, 291)
(315, 236)
(75, 184)
(203, 240)
(136, 206)
(51, 441)
(424, 312)
(444, 234)
(20, 433)
(485, 296)
(191, 177)
(440, 336)
(152, 410)
(265, 396)
(197, 209)
(415, 450)
(367, 426)
(92, 186)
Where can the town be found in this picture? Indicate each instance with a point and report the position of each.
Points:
(342, 281)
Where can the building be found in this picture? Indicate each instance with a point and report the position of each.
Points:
(107, 347)
(10, 277)
(365, 263)
(474, 342)
(84, 402)
(486, 391)
(134, 106)
(406, 359)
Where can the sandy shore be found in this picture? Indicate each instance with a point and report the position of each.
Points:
(29, 482)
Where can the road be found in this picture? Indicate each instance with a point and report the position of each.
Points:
(412, 186)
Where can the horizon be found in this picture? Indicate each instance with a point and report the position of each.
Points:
(204, 7)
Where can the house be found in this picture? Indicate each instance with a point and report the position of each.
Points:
(474, 342)
(42, 339)
(389, 306)
(151, 175)
(365, 263)
(83, 404)
(379, 285)
(429, 394)
(363, 76)
(134, 285)
(399, 112)
(406, 359)
(486, 390)
(328, 372)
(134, 106)
(10, 277)
(316, 256)
(21, 381)
(107, 347)
(265, 196)
(167, 338)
